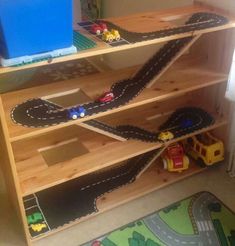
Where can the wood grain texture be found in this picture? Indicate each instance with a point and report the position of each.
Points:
(153, 179)
(35, 174)
(187, 74)
(8, 167)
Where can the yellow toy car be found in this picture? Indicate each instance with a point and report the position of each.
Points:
(205, 148)
(110, 36)
(165, 136)
(38, 227)
(174, 158)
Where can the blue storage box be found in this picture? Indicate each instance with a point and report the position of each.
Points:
(29, 27)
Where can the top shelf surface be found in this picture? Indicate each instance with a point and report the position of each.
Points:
(145, 22)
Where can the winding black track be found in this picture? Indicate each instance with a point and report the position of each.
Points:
(41, 113)
(198, 21)
(75, 199)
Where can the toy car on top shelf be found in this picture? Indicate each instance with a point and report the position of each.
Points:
(205, 148)
(106, 97)
(174, 158)
(111, 36)
(76, 112)
(99, 28)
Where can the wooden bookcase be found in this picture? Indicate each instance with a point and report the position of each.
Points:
(197, 77)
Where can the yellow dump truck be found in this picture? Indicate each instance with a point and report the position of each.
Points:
(205, 148)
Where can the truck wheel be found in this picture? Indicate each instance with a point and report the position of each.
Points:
(200, 163)
(164, 164)
(118, 38)
(98, 32)
(74, 117)
(110, 40)
(82, 115)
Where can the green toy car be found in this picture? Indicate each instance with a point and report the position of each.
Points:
(34, 218)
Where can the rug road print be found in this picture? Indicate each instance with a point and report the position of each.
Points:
(200, 220)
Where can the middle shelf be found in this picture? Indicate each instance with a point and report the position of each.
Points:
(69, 153)
(187, 74)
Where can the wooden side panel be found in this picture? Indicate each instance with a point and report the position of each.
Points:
(7, 165)
(218, 48)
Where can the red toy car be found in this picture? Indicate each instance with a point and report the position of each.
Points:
(174, 158)
(107, 97)
(96, 243)
(99, 28)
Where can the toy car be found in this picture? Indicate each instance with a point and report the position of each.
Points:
(165, 136)
(99, 28)
(33, 218)
(106, 97)
(110, 36)
(77, 112)
(205, 148)
(174, 158)
(38, 227)
(186, 123)
(96, 243)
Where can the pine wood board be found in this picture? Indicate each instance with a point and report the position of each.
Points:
(8, 168)
(186, 75)
(153, 179)
(142, 22)
(34, 173)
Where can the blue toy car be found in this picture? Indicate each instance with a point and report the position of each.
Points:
(77, 112)
(186, 123)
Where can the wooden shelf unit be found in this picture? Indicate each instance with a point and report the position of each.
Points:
(197, 78)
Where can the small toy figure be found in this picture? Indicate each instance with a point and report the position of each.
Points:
(174, 158)
(205, 148)
(35, 217)
(99, 28)
(77, 112)
(110, 36)
(165, 136)
(38, 227)
(106, 97)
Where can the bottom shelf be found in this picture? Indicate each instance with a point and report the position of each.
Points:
(64, 205)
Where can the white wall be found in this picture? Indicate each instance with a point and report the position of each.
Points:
(224, 4)
(125, 7)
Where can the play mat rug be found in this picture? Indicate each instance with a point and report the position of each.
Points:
(200, 220)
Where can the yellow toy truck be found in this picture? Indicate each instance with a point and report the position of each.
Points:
(205, 148)
(110, 36)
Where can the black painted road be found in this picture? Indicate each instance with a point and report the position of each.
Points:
(41, 113)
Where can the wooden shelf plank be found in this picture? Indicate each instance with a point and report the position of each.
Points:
(187, 74)
(147, 22)
(35, 174)
(153, 179)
